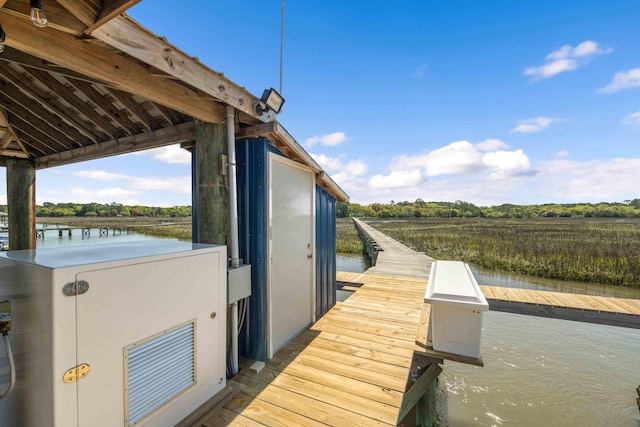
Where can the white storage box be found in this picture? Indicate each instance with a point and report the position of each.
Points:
(144, 323)
(457, 304)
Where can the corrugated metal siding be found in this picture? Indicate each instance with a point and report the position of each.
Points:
(251, 159)
(158, 370)
(325, 251)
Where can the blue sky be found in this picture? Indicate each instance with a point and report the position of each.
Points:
(487, 102)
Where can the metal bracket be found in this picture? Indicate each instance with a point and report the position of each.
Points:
(72, 289)
(76, 373)
(224, 164)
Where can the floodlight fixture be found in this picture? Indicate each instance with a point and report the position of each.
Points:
(273, 100)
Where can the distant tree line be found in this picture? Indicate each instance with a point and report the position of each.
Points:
(460, 209)
(48, 209)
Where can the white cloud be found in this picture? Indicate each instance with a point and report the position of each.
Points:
(332, 164)
(357, 168)
(331, 139)
(505, 163)
(85, 195)
(102, 175)
(179, 185)
(533, 125)
(459, 157)
(566, 58)
(462, 158)
(171, 154)
(491, 145)
(327, 163)
(588, 181)
(632, 119)
(623, 80)
(562, 153)
(396, 179)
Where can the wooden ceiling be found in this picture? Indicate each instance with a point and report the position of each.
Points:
(94, 83)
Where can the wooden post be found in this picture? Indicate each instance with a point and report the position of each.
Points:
(419, 400)
(21, 204)
(211, 198)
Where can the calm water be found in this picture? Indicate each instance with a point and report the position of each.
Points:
(52, 240)
(546, 372)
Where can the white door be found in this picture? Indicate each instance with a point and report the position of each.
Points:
(291, 286)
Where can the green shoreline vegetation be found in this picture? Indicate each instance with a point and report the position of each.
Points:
(583, 242)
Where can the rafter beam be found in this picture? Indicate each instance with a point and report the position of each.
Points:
(45, 98)
(20, 104)
(129, 37)
(167, 136)
(109, 11)
(104, 65)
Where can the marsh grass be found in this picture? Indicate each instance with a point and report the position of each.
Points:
(347, 239)
(604, 251)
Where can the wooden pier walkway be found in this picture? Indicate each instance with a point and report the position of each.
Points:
(623, 312)
(396, 259)
(351, 368)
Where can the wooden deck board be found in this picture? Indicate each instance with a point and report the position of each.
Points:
(349, 368)
(585, 308)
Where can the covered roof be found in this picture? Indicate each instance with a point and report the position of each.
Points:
(95, 83)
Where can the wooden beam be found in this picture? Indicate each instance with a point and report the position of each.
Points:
(44, 97)
(20, 104)
(134, 108)
(37, 136)
(31, 62)
(14, 153)
(109, 11)
(211, 198)
(69, 95)
(129, 37)
(103, 103)
(418, 389)
(85, 11)
(21, 203)
(143, 141)
(106, 66)
(59, 18)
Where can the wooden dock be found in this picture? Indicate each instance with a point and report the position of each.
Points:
(353, 367)
(394, 258)
(623, 312)
(398, 259)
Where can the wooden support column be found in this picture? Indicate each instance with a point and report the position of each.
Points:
(21, 204)
(418, 408)
(211, 184)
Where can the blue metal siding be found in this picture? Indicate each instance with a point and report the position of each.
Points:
(325, 251)
(251, 159)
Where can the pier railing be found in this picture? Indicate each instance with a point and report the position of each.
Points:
(371, 247)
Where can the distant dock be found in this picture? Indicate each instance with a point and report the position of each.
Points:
(86, 231)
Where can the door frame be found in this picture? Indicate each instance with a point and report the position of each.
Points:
(272, 157)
